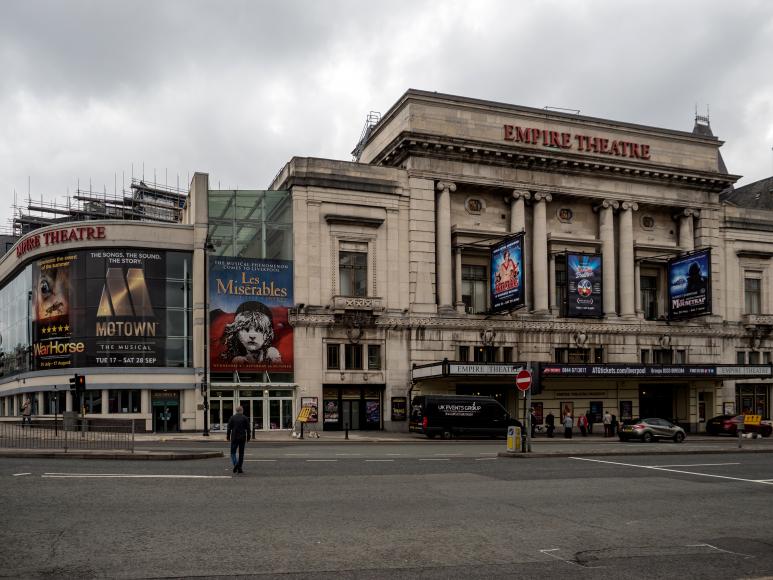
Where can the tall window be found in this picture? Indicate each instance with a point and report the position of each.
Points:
(649, 296)
(484, 354)
(353, 357)
(334, 356)
(353, 272)
(374, 357)
(752, 295)
(474, 289)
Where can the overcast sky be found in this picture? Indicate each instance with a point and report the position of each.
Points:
(237, 88)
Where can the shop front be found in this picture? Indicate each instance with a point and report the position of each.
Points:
(165, 405)
(353, 407)
(268, 409)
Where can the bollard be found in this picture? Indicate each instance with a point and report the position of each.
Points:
(346, 430)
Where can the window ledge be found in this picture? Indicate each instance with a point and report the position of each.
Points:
(758, 319)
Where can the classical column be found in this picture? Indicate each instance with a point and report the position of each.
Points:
(458, 280)
(540, 252)
(607, 237)
(443, 244)
(518, 210)
(686, 232)
(627, 303)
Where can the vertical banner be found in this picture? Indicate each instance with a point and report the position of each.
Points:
(249, 301)
(689, 285)
(506, 263)
(583, 285)
(53, 346)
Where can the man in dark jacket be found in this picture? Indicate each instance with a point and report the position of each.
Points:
(238, 434)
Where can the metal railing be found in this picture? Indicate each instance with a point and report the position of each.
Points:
(66, 435)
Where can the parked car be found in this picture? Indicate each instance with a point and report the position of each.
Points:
(456, 415)
(728, 424)
(651, 429)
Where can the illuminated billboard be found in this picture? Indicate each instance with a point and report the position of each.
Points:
(689, 285)
(248, 312)
(506, 285)
(583, 285)
(105, 307)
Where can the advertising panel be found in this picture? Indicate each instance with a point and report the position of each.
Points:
(506, 286)
(99, 308)
(249, 301)
(583, 273)
(689, 285)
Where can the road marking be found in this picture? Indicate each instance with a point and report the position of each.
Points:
(18, 474)
(766, 482)
(548, 553)
(719, 550)
(129, 476)
(296, 454)
(486, 459)
(489, 453)
(319, 460)
(435, 459)
(394, 454)
(348, 454)
(379, 460)
(262, 460)
(448, 454)
(696, 465)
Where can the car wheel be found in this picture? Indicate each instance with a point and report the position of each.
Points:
(679, 437)
(447, 434)
(646, 437)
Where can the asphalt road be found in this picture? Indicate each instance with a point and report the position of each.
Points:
(389, 511)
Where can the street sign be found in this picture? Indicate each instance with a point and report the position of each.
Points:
(523, 380)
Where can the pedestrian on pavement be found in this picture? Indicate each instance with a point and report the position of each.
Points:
(568, 426)
(26, 412)
(589, 416)
(607, 423)
(238, 434)
(550, 421)
(532, 422)
(582, 423)
(613, 426)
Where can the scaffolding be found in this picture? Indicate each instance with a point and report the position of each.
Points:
(144, 201)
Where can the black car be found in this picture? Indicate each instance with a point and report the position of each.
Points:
(651, 429)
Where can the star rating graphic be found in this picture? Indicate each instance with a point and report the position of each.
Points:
(53, 328)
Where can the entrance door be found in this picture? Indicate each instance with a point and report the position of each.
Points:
(351, 415)
(253, 410)
(166, 418)
(656, 401)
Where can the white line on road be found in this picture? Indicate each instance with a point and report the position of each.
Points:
(394, 454)
(320, 460)
(129, 476)
(435, 459)
(379, 460)
(348, 454)
(719, 550)
(448, 454)
(296, 454)
(486, 459)
(548, 553)
(262, 460)
(18, 474)
(696, 465)
(674, 470)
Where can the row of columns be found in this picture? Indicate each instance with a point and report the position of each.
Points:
(543, 266)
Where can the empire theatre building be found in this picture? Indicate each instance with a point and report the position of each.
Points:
(467, 240)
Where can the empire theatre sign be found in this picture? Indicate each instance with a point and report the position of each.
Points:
(581, 143)
(60, 236)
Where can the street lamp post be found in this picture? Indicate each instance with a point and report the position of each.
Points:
(205, 386)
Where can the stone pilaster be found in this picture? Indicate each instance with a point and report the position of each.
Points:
(554, 306)
(627, 301)
(637, 288)
(540, 252)
(443, 244)
(607, 237)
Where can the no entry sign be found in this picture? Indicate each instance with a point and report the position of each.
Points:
(523, 380)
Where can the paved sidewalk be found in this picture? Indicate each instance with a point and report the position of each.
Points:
(541, 445)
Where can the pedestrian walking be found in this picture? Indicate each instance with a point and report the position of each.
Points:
(607, 424)
(532, 423)
(582, 423)
(550, 422)
(613, 426)
(568, 426)
(238, 434)
(590, 417)
(26, 412)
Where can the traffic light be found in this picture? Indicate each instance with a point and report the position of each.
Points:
(78, 384)
(74, 382)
